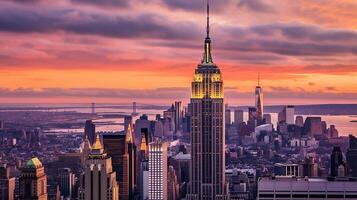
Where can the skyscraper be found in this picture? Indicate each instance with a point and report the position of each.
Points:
(89, 131)
(259, 100)
(33, 181)
(207, 174)
(178, 115)
(99, 180)
(157, 170)
(336, 161)
(7, 184)
(66, 182)
(351, 156)
(122, 150)
(238, 117)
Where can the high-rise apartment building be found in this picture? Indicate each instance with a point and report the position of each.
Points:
(157, 170)
(207, 171)
(33, 181)
(99, 180)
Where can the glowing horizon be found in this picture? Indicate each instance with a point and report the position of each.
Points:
(78, 51)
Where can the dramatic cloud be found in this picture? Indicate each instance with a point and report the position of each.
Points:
(309, 47)
(255, 5)
(106, 3)
(81, 22)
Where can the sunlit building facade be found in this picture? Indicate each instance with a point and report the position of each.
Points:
(99, 180)
(207, 167)
(33, 181)
(259, 101)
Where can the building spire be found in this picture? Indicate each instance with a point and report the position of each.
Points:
(207, 57)
(259, 79)
(208, 28)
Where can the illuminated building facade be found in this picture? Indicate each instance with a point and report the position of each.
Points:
(157, 170)
(207, 167)
(99, 180)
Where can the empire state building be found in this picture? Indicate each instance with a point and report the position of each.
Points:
(207, 167)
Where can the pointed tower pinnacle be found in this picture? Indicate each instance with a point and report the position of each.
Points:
(207, 57)
(259, 79)
(129, 135)
(97, 145)
(208, 28)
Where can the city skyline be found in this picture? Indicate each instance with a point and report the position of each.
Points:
(126, 51)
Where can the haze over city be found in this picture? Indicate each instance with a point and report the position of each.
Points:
(78, 51)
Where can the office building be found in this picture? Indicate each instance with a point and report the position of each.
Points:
(228, 115)
(299, 121)
(207, 171)
(332, 132)
(281, 169)
(287, 115)
(178, 116)
(259, 101)
(158, 170)
(7, 184)
(89, 131)
(283, 188)
(122, 150)
(313, 126)
(172, 185)
(309, 168)
(66, 181)
(267, 118)
(33, 181)
(337, 161)
(143, 126)
(99, 180)
(351, 156)
(144, 180)
(238, 117)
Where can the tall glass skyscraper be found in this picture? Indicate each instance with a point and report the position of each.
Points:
(207, 174)
(259, 101)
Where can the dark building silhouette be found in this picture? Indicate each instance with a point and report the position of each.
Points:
(89, 131)
(7, 184)
(66, 182)
(336, 161)
(313, 126)
(122, 150)
(351, 156)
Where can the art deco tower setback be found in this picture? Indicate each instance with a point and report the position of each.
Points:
(207, 167)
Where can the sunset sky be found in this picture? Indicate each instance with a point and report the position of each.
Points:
(70, 51)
